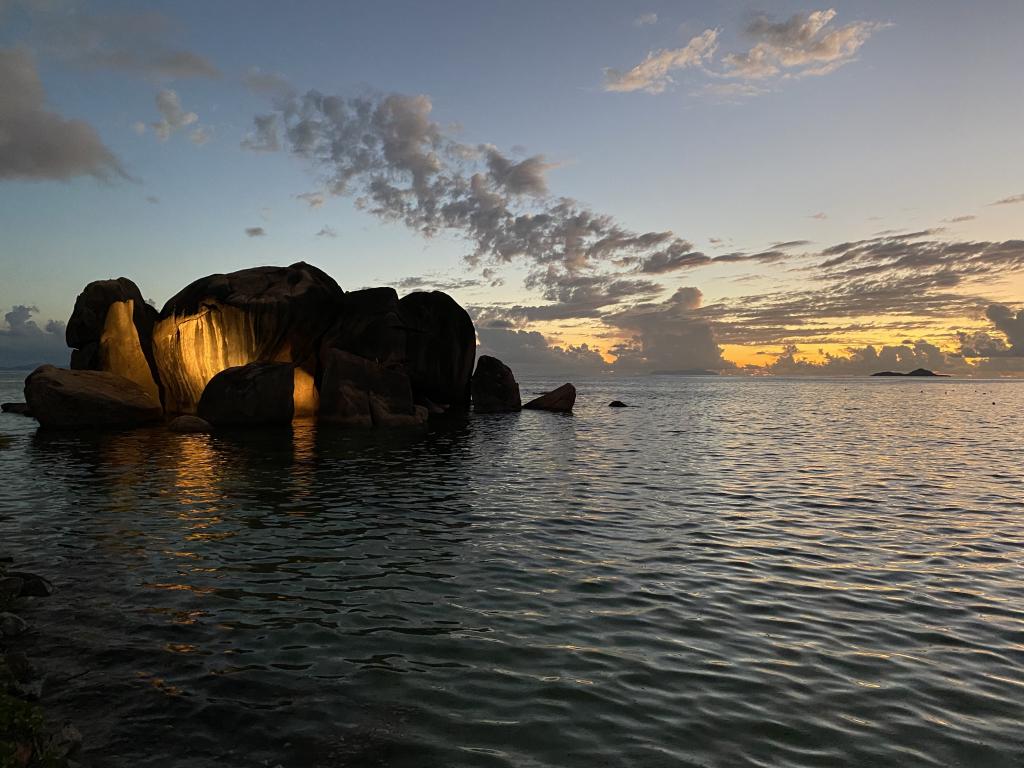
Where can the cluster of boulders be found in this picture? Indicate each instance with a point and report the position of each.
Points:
(261, 346)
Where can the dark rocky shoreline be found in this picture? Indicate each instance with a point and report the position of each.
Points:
(28, 739)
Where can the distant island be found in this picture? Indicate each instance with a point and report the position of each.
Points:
(685, 372)
(915, 372)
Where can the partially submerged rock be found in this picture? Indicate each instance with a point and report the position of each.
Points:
(111, 329)
(253, 395)
(617, 404)
(259, 315)
(357, 392)
(65, 399)
(20, 409)
(189, 425)
(561, 400)
(494, 387)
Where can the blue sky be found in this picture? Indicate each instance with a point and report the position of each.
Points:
(915, 124)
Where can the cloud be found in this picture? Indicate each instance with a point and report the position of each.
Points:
(139, 44)
(200, 135)
(437, 283)
(37, 144)
(803, 45)
(327, 231)
(23, 342)
(255, 231)
(863, 361)
(531, 352)
(668, 335)
(959, 219)
(152, 199)
(402, 166)
(173, 117)
(312, 199)
(645, 20)
(984, 344)
(1011, 200)
(820, 216)
(266, 83)
(653, 74)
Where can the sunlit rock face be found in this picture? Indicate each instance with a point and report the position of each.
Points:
(440, 349)
(111, 329)
(264, 314)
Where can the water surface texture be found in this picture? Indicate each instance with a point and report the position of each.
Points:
(733, 573)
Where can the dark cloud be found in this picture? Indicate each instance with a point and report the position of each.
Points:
(23, 342)
(255, 231)
(530, 352)
(437, 283)
(984, 344)
(36, 143)
(264, 137)
(140, 44)
(1011, 200)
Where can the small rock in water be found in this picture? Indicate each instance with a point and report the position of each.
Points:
(21, 409)
(11, 625)
(561, 399)
(617, 404)
(32, 585)
(189, 425)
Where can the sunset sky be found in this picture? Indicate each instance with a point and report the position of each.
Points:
(769, 188)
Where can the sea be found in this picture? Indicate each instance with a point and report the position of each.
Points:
(731, 572)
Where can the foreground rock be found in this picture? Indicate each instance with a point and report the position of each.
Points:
(561, 400)
(357, 392)
(617, 404)
(440, 350)
(187, 425)
(111, 329)
(20, 409)
(259, 315)
(253, 395)
(494, 387)
(65, 399)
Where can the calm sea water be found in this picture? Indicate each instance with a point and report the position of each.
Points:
(733, 573)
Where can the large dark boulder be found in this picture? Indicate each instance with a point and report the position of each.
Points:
(440, 349)
(111, 329)
(264, 314)
(66, 399)
(494, 387)
(561, 399)
(357, 392)
(369, 324)
(253, 395)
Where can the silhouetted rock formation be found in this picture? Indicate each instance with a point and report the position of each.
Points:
(617, 404)
(253, 395)
(561, 399)
(76, 399)
(21, 409)
(357, 392)
(915, 372)
(111, 329)
(440, 349)
(494, 387)
(259, 315)
(226, 342)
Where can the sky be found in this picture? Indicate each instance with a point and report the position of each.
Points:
(753, 189)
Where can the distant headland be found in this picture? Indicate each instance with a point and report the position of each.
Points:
(685, 372)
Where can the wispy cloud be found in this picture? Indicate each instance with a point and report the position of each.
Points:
(645, 20)
(255, 232)
(1011, 200)
(654, 74)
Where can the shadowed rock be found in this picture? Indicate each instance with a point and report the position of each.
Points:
(253, 395)
(111, 329)
(370, 325)
(21, 409)
(561, 399)
(494, 387)
(617, 404)
(66, 399)
(357, 392)
(186, 425)
(264, 314)
(440, 349)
